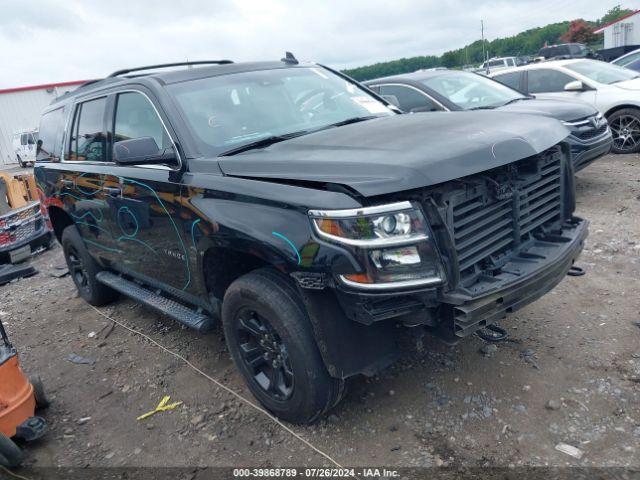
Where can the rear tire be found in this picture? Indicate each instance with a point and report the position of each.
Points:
(265, 321)
(83, 269)
(625, 128)
(10, 454)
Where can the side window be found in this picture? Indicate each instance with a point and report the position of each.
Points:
(410, 99)
(509, 79)
(23, 139)
(545, 80)
(50, 135)
(136, 118)
(88, 139)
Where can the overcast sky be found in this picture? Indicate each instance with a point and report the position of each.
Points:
(59, 40)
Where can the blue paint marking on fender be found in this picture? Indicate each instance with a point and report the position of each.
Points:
(193, 231)
(102, 246)
(144, 244)
(127, 210)
(279, 235)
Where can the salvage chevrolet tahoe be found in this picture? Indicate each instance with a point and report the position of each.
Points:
(287, 202)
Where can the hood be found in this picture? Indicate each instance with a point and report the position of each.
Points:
(401, 152)
(633, 84)
(565, 110)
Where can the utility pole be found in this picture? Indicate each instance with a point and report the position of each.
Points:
(482, 34)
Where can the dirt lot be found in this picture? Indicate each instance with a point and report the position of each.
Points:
(570, 373)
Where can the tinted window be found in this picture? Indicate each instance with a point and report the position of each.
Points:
(88, 140)
(544, 80)
(50, 135)
(509, 79)
(409, 98)
(136, 118)
(496, 63)
(471, 91)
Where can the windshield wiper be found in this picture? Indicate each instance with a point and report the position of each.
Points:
(348, 121)
(484, 107)
(263, 143)
(514, 100)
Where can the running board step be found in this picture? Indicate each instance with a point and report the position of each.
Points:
(180, 313)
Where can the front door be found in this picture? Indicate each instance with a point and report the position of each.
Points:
(144, 201)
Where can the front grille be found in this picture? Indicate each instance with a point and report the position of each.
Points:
(496, 214)
(20, 226)
(591, 133)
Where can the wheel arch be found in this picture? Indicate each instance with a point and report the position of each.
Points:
(616, 108)
(59, 221)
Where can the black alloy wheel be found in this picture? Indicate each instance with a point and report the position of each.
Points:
(625, 128)
(265, 355)
(77, 270)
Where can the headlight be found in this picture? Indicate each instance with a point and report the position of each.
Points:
(392, 242)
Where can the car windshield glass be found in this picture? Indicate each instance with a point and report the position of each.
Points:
(602, 72)
(229, 111)
(471, 91)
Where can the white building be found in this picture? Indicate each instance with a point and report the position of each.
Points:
(622, 32)
(20, 109)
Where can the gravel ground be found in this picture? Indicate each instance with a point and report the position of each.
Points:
(570, 373)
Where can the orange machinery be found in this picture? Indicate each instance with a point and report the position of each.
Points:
(19, 398)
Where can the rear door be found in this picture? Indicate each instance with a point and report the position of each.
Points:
(144, 201)
(81, 173)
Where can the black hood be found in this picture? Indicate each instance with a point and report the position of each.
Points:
(566, 110)
(402, 152)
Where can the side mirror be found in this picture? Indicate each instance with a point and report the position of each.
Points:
(392, 99)
(142, 151)
(575, 86)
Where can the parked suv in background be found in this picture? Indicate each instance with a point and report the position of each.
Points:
(567, 50)
(615, 91)
(453, 90)
(291, 204)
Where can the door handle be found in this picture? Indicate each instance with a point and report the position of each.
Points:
(67, 183)
(113, 191)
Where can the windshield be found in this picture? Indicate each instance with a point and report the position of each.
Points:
(471, 91)
(228, 111)
(602, 72)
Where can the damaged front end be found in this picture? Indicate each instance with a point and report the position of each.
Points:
(502, 238)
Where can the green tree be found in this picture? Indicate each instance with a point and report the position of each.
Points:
(613, 14)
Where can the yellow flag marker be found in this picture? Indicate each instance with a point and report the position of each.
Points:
(163, 406)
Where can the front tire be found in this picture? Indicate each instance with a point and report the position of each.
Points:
(83, 269)
(20, 161)
(625, 128)
(271, 341)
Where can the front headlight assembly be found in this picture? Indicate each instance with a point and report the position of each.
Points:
(393, 243)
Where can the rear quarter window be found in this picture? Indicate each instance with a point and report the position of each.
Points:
(49, 144)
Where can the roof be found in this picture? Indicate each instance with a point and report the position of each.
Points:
(537, 65)
(181, 75)
(44, 86)
(624, 17)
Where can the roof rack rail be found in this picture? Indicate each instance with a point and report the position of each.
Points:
(168, 65)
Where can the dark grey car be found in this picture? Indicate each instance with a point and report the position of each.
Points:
(452, 90)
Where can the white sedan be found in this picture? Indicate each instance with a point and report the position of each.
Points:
(615, 91)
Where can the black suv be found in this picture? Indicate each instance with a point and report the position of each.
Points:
(567, 50)
(298, 209)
